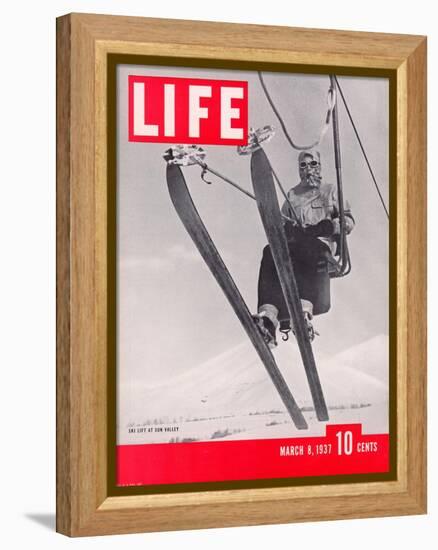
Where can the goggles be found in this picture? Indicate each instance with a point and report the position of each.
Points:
(312, 163)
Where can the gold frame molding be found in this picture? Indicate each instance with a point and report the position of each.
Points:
(84, 43)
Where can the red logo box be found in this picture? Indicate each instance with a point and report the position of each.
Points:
(187, 110)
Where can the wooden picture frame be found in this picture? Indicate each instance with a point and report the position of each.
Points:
(84, 397)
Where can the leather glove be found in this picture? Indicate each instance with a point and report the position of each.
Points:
(349, 224)
(292, 230)
(325, 228)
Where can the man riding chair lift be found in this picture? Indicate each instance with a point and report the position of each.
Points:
(313, 230)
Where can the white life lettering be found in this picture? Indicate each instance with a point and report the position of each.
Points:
(196, 112)
(229, 113)
(169, 110)
(140, 126)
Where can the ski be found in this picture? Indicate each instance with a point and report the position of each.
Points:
(186, 210)
(269, 209)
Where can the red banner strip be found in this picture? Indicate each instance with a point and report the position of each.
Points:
(343, 450)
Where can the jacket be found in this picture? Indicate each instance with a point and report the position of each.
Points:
(316, 204)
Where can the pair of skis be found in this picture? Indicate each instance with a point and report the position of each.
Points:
(267, 202)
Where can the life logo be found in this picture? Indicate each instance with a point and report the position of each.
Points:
(187, 110)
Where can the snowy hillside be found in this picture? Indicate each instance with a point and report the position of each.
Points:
(232, 396)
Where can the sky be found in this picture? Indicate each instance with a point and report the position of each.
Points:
(172, 315)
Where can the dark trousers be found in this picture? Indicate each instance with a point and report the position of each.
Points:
(309, 258)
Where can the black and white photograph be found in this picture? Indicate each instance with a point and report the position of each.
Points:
(244, 317)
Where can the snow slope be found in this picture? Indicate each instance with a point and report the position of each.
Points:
(232, 396)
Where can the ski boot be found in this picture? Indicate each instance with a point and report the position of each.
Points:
(266, 328)
(310, 328)
(286, 326)
(308, 316)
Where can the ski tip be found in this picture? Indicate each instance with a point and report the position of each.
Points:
(302, 424)
(173, 170)
(260, 168)
(174, 175)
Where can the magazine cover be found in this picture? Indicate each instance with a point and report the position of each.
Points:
(252, 276)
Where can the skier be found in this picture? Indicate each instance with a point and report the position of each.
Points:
(312, 229)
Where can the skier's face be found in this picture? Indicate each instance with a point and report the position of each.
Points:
(310, 171)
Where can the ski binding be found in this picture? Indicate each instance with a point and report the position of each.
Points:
(185, 155)
(255, 139)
